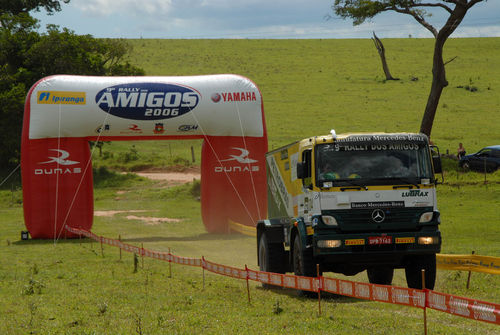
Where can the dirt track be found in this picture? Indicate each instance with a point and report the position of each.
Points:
(167, 179)
(171, 177)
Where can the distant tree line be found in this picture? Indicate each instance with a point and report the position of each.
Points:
(27, 56)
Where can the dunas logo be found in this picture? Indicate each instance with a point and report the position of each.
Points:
(147, 101)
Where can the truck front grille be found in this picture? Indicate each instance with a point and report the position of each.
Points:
(395, 219)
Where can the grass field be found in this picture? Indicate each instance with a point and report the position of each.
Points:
(308, 87)
(312, 86)
(69, 288)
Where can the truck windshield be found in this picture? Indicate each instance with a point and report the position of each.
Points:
(371, 163)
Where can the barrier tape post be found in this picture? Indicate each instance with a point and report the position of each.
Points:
(120, 239)
(203, 268)
(102, 249)
(248, 285)
(80, 237)
(319, 289)
(468, 277)
(142, 255)
(169, 264)
(425, 304)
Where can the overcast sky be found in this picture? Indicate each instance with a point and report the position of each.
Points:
(250, 19)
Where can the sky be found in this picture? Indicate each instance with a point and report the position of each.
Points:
(235, 19)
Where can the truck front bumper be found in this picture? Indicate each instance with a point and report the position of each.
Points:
(365, 245)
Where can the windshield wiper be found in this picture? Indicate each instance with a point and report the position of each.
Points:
(357, 185)
(406, 181)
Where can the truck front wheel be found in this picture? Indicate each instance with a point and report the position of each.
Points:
(381, 276)
(303, 262)
(414, 269)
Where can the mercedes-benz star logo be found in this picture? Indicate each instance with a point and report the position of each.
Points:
(378, 215)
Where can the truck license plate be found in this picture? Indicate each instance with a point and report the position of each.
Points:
(379, 240)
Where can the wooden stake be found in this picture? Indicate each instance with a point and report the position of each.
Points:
(248, 286)
(425, 303)
(203, 268)
(319, 290)
(120, 239)
(142, 255)
(169, 264)
(102, 249)
(468, 277)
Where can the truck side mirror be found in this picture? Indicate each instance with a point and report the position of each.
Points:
(300, 170)
(436, 161)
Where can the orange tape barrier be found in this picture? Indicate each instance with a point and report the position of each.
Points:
(485, 264)
(455, 305)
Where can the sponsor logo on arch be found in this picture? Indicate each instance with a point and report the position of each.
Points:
(61, 97)
(147, 101)
(234, 97)
(58, 164)
(238, 163)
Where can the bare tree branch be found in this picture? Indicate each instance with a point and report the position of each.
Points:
(451, 60)
(418, 18)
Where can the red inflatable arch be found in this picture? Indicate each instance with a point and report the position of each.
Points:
(63, 113)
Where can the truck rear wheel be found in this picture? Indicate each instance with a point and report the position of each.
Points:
(381, 275)
(414, 269)
(272, 257)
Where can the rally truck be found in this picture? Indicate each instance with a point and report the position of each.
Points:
(350, 203)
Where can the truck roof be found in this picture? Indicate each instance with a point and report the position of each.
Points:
(356, 137)
(365, 136)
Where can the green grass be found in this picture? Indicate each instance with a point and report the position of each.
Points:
(69, 288)
(308, 87)
(312, 86)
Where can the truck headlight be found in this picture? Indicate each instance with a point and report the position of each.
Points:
(329, 220)
(426, 217)
(426, 240)
(329, 243)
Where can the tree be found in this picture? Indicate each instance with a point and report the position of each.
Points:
(17, 6)
(361, 10)
(27, 56)
(381, 51)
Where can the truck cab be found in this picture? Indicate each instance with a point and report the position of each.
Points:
(351, 203)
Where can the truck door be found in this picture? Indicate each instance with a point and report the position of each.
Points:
(305, 200)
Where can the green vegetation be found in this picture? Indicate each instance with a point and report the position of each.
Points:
(308, 87)
(312, 86)
(68, 287)
(142, 155)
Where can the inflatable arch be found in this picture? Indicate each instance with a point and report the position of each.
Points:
(63, 113)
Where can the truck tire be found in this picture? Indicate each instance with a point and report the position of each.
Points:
(381, 275)
(272, 257)
(303, 262)
(414, 269)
